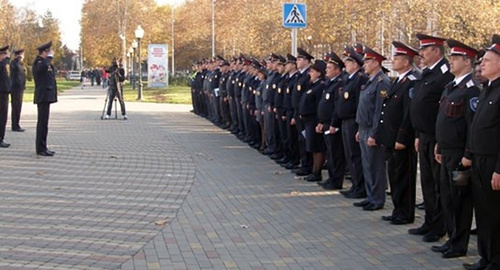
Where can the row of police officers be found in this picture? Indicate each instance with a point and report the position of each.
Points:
(348, 112)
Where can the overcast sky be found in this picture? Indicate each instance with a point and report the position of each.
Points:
(69, 13)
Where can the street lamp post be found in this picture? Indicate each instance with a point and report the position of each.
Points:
(134, 70)
(139, 33)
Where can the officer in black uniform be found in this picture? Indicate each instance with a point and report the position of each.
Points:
(4, 93)
(18, 84)
(308, 110)
(268, 99)
(423, 112)
(456, 110)
(346, 111)
(484, 144)
(368, 119)
(397, 136)
(330, 125)
(301, 85)
(45, 94)
(291, 143)
(230, 85)
(280, 123)
(224, 96)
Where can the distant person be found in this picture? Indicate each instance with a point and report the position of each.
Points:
(45, 94)
(116, 77)
(18, 85)
(98, 75)
(83, 77)
(92, 76)
(4, 92)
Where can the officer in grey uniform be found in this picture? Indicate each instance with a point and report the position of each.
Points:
(368, 118)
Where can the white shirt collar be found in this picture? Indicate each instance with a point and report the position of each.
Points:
(402, 75)
(460, 79)
(302, 71)
(435, 64)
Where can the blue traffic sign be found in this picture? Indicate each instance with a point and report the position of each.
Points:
(294, 15)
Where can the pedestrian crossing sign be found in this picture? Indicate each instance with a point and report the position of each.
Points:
(294, 15)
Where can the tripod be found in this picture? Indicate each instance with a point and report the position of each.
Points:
(106, 105)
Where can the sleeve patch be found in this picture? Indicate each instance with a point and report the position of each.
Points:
(473, 103)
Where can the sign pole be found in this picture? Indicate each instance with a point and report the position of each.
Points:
(294, 37)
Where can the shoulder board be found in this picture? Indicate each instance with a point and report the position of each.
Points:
(411, 77)
(444, 68)
(380, 79)
(470, 84)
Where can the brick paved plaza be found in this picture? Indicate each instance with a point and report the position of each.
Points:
(168, 190)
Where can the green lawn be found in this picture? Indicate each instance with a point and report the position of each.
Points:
(174, 94)
(61, 86)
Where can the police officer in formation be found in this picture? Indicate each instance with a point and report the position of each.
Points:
(45, 94)
(4, 92)
(345, 113)
(18, 85)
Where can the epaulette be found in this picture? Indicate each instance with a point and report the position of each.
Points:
(444, 68)
(411, 77)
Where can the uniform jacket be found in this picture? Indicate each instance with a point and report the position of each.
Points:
(310, 99)
(45, 81)
(329, 97)
(288, 89)
(426, 95)
(484, 133)
(456, 110)
(301, 86)
(17, 75)
(349, 96)
(395, 125)
(371, 98)
(4, 76)
(279, 95)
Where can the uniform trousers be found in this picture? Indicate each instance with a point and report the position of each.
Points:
(486, 202)
(269, 121)
(42, 127)
(353, 155)
(429, 177)
(4, 110)
(239, 111)
(17, 103)
(292, 139)
(457, 204)
(232, 112)
(306, 161)
(402, 173)
(374, 169)
(335, 158)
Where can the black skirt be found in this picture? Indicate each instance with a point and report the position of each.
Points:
(315, 142)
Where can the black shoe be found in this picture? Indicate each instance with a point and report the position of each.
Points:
(418, 231)
(52, 152)
(331, 187)
(267, 152)
(361, 203)
(283, 160)
(276, 156)
(302, 172)
(400, 221)
(345, 192)
(314, 178)
(473, 231)
(431, 237)
(45, 153)
(291, 166)
(354, 195)
(480, 265)
(4, 144)
(372, 207)
(18, 129)
(442, 249)
(449, 254)
(387, 218)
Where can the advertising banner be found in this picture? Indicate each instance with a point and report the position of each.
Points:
(157, 65)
